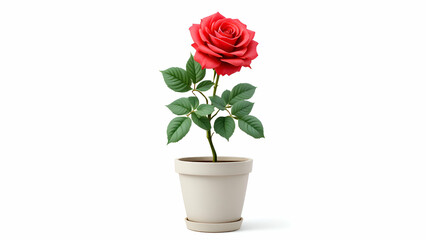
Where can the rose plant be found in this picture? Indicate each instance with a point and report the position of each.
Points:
(224, 45)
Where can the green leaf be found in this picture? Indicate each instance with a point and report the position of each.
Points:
(224, 126)
(177, 129)
(181, 106)
(226, 95)
(204, 110)
(205, 85)
(201, 121)
(177, 79)
(194, 70)
(242, 108)
(194, 102)
(251, 125)
(218, 102)
(241, 91)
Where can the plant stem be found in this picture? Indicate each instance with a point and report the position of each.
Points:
(214, 115)
(229, 113)
(195, 90)
(216, 84)
(209, 137)
(209, 133)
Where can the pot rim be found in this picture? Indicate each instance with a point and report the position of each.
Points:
(203, 166)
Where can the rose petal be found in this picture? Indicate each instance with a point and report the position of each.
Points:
(230, 40)
(216, 49)
(194, 30)
(207, 21)
(226, 68)
(247, 63)
(216, 25)
(230, 25)
(220, 34)
(237, 53)
(240, 23)
(205, 60)
(204, 36)
(251, 51)
(208, 51)
(234, 61)
(245, 38)
(221, 44)
(238, 62)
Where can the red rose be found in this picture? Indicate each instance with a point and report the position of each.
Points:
(223, 44)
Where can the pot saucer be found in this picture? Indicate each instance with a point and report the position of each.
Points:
(213, 227)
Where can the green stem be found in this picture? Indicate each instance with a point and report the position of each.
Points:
(209, 137)
(214, 115)
(209, 133)
(229, 113)
(216, 84)
(195, 90)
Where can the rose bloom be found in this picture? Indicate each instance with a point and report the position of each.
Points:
(223, 44)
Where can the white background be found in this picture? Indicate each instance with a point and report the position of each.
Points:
(341, 93)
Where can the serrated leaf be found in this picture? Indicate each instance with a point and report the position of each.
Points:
(180, 107)
(218, 102)
(242, 108)
(241, 91)
(194, 102)
(204, 110)
(177, 79)
(201, 121)
(224, 126)
(205, 85)
(194, 70)
(178, 128)
(226, 96)
(251, 125)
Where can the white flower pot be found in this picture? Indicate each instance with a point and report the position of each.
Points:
(213, 192)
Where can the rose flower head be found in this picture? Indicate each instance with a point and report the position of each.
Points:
(223, 44)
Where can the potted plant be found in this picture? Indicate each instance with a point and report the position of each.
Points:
(214, 187)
